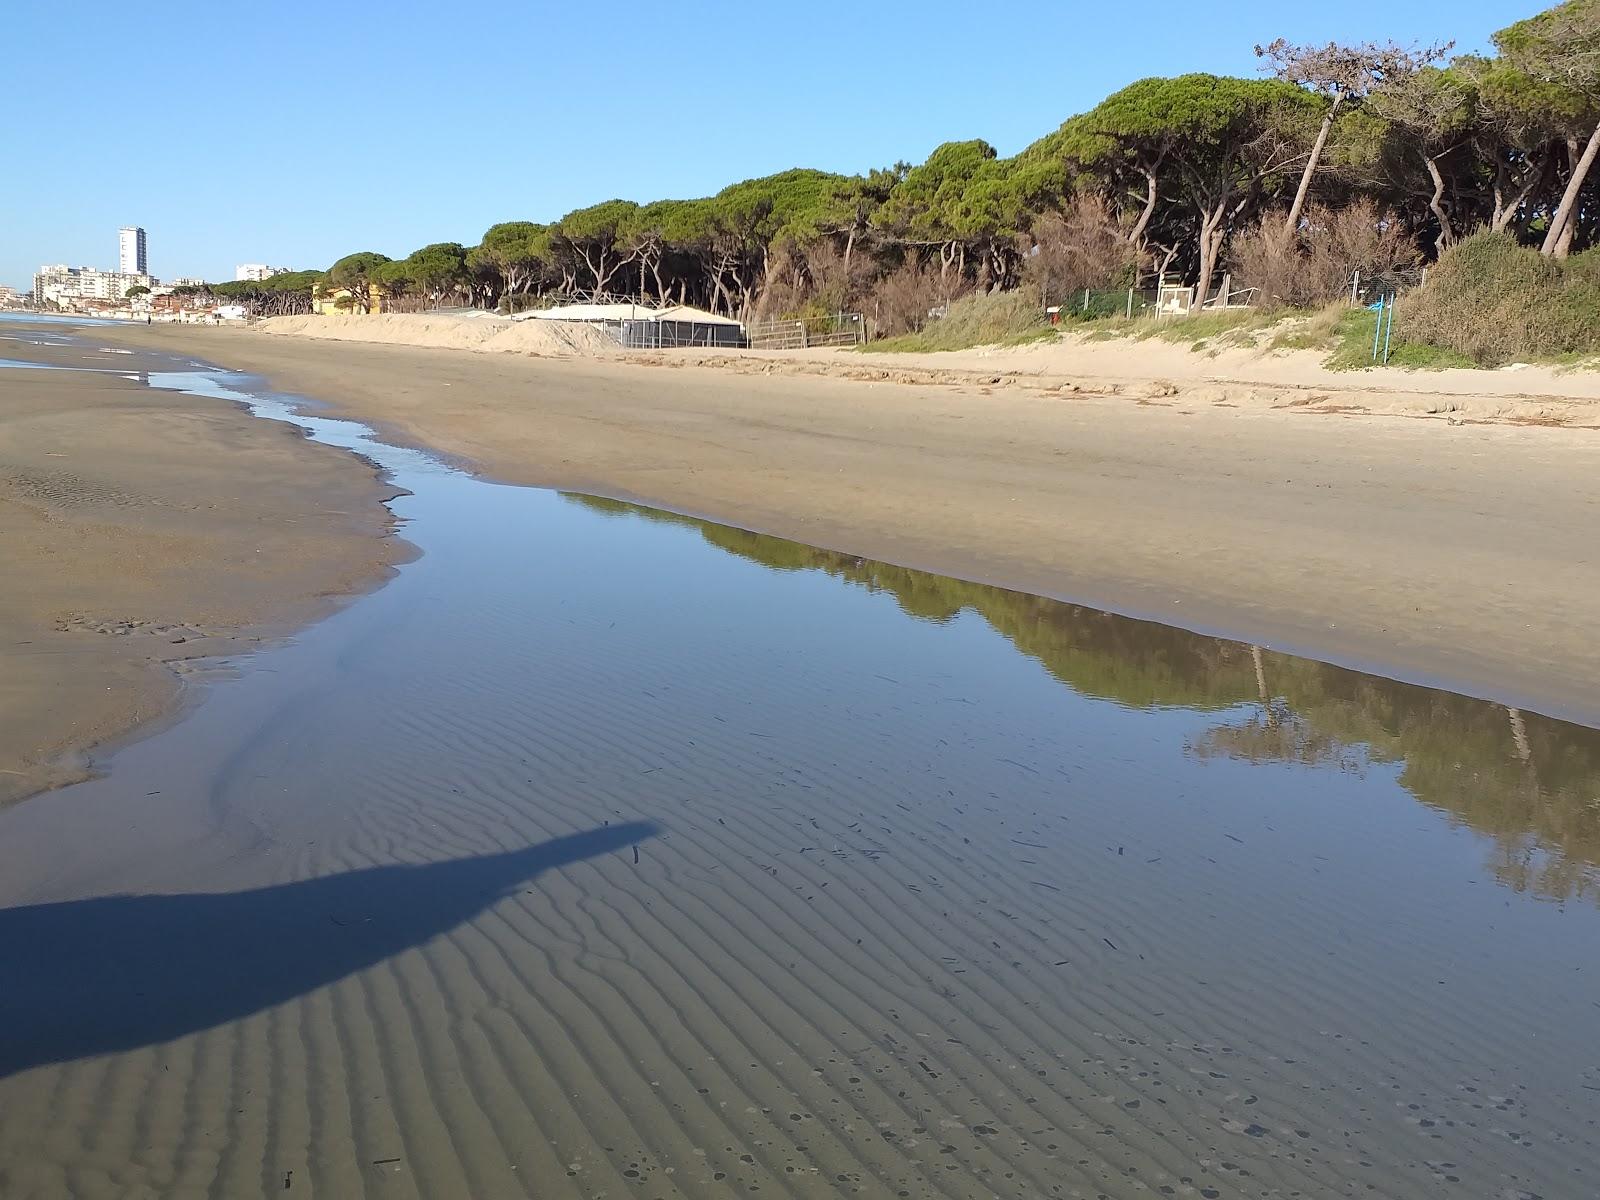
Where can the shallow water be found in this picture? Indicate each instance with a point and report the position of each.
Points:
(610, 852)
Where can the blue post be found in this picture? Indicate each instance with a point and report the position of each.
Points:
(1389, 332)
(1377, 330)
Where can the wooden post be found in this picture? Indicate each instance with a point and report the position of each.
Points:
(1130, 304)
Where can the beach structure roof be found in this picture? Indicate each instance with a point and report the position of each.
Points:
(626, 312)
(591, 312)
(684, 312)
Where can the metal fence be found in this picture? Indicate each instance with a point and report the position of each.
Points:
(654, 334)
(1099, 304)
(800, 333)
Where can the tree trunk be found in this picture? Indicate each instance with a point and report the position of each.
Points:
(1566, 213)
(1293, 222)
(1436, 205)
(1136, 234)
(721, 299)
(1538, 183)
(598, 268)
(1213, 225)
(849, 248)
(1519, 734)
(1506, 208)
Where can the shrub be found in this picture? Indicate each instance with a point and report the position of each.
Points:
(903, 300)
(1495, 301)
(1081, 247)
(981, 319)
(814, 280)
(1313, 265)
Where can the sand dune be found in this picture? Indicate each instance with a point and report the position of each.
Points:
(1151, 370)
(450, 333)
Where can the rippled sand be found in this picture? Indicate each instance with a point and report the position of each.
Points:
(607, 855)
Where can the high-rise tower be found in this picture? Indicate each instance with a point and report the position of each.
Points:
(131, 258)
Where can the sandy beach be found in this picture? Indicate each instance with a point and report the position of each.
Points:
(144, 528)
(1245, 497)
(607, 851)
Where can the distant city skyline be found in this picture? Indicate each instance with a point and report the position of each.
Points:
(133, 256)
(300, 179)
(65, 285)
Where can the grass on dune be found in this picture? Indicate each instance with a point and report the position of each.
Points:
(997, 319)
(1341, 333)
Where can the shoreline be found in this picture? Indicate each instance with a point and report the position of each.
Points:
(1412, 549)
(145, 564)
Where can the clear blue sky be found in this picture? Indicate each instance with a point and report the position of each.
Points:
(291, 133)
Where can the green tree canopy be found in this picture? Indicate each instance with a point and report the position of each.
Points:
(591, 236)
(518, 250)
(356, 272)
(438, 268)
(1559, 49)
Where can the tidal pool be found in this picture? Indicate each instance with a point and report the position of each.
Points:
(610, 852)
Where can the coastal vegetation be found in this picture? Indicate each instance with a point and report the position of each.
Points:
(1340, 171)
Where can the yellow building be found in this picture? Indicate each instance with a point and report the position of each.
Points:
(333, 301)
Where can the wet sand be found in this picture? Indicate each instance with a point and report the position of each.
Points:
(1439, 552)
(143, 528)
(606, 852)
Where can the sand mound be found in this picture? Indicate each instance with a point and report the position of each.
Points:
(451, 332)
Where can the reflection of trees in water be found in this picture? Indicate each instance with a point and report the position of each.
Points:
(1273, 733)
(1530, 783)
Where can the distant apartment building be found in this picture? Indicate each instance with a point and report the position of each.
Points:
(186, 281)
(9, 297)
(256, 272)
(131, 251)
(61, 285)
